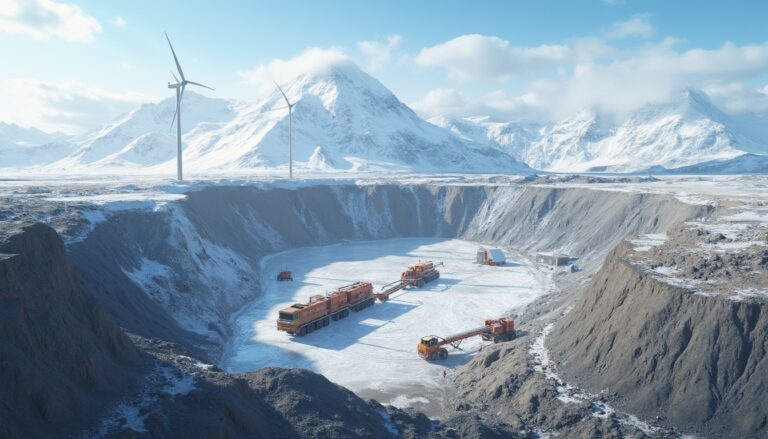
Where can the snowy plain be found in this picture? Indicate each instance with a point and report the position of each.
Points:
(373, 352)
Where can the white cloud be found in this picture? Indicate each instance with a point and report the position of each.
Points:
(652, 75)
(588, 73)
(314, 60)
(475, 56)
(737, 97)
(497, 104)
(380, 53)
(66, 106)
(120, 22)
(639, 25)
(45, 19)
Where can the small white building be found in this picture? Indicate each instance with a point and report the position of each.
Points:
(492, 256)
(553, 258)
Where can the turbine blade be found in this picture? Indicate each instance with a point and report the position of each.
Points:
(178, 66)
(181, 95)
(174, 117)
(283, 93)
(174, 76)
(199, 85)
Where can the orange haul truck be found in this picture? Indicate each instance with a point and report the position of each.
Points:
(302, 318)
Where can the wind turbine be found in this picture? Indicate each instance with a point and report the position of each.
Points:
(290, 131)
(179, 86)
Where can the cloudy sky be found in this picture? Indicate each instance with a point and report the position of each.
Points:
(73, 65)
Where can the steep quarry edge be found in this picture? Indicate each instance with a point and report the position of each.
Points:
(62, 358)
(69, 371)
(689, 360)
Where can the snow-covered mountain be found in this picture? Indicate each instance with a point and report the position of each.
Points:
(342, 119)
(15, 135)
(21, 146)
(144, 137)
(685, 132)
(510, 137)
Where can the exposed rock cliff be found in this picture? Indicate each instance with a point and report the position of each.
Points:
(695, 360)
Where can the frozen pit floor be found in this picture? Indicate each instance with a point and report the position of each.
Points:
(373, 352)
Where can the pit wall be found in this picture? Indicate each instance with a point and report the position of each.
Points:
(180, 272)
(695, 362)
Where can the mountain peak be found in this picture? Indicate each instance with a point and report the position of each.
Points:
(699, 102)
(339, 78)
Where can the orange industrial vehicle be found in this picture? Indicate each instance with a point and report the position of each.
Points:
(416, 275)
(431, 347)
(303, 318)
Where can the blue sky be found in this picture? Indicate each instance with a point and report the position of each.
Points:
(72, 65)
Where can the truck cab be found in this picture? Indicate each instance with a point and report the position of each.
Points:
(429, 348)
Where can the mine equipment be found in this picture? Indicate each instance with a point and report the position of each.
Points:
(302, 318)
(415, 276)
(284, 276)
(492, 256)
(431, 348)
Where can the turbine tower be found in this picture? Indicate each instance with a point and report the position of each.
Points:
(179, 86)
(290, 131)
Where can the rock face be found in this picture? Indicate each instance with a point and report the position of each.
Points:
(503, 380)
(64, 365)
(271, 402)
(696, 361)
(62, 359)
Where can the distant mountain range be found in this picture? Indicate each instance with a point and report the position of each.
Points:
(686, 132)
(345, 119)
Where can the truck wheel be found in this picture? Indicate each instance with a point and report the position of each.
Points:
(433, 356)
(443, 353)
(302, 331)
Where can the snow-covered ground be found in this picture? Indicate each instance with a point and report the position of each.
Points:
(375, 350)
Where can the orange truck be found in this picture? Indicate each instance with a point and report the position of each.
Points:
(284, 276)
(431, 348)
(416, 275)
(302, 318)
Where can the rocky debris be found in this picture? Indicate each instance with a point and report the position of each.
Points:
(692, 360)
(700, 256)
(18, 211)
(185, 397)
(62, 359)
(511, 386)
